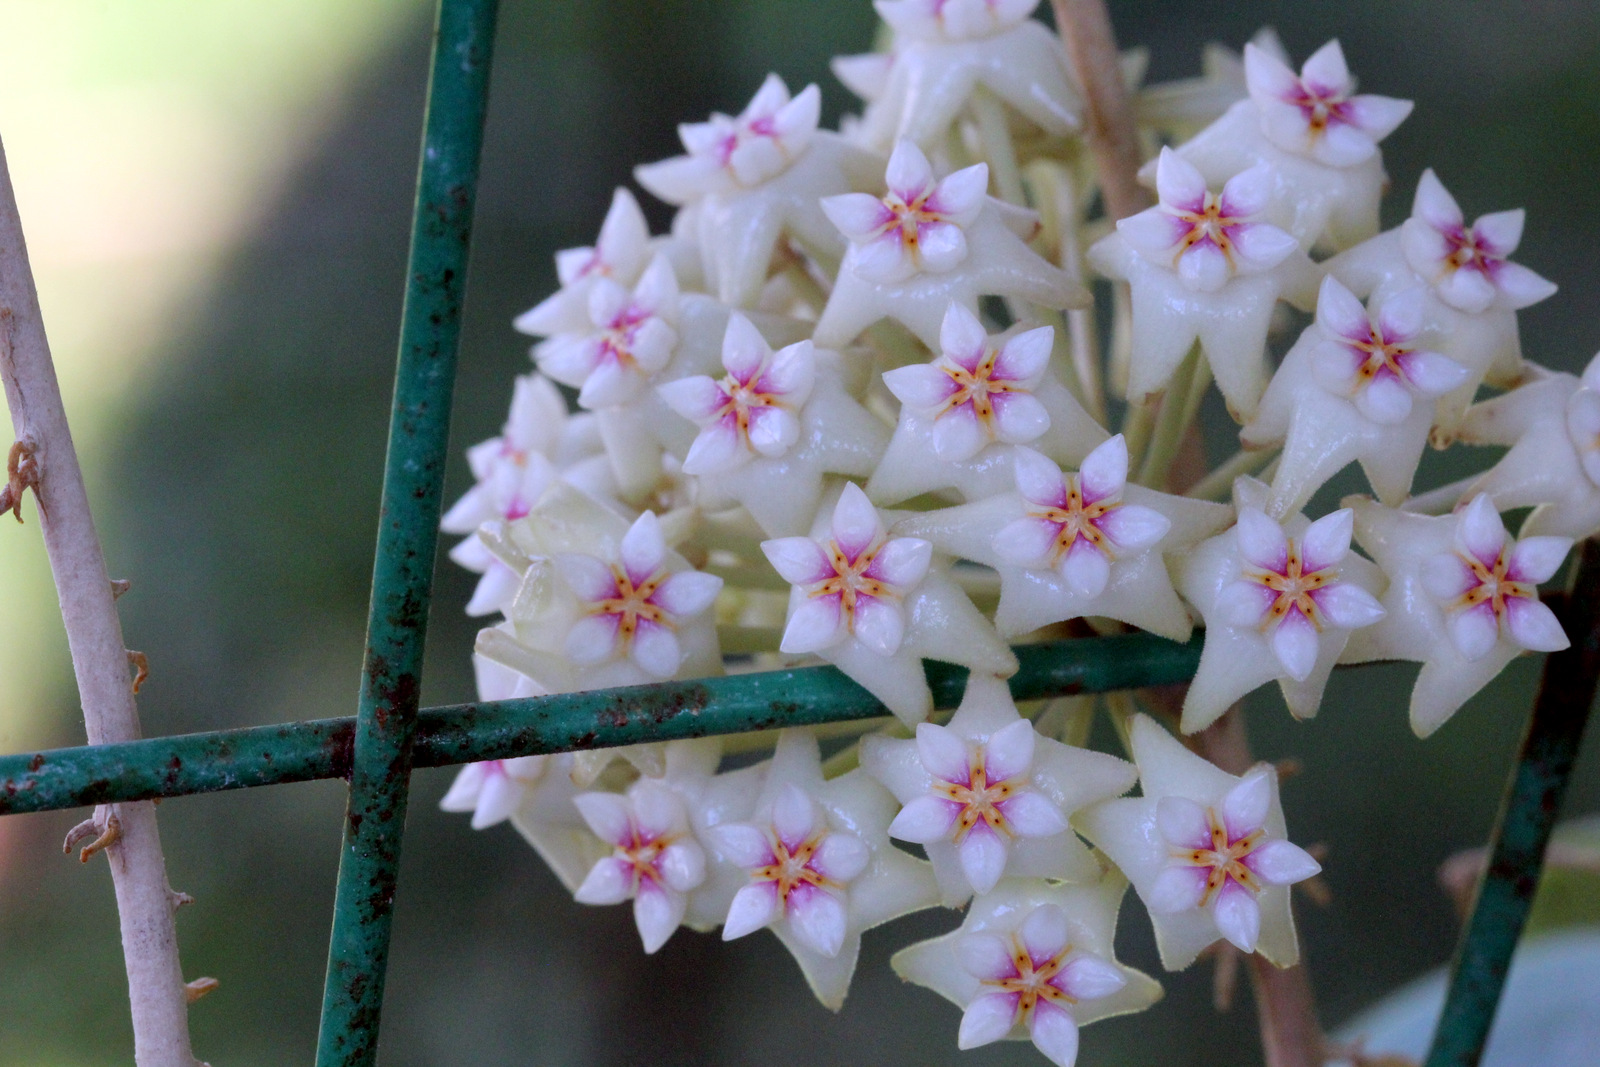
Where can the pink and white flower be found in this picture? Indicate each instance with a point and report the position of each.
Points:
(727, 153)
(1033, 960)
(493, 789)
(1034, 978)
(631, 338)
(620, 253)
(852, 584)
(1208, 238)
(1318, 114)
(1207, 851)
(977, 392)
(1077, 524)
(1221, 856)
(754, 409)
(918, 226)
(1375, 359)
(988, 797)
(631, 606)
(800, 872)
(953, 20)
(1489, 585)
(1467, 265)
(1291, 589)
(655, 860)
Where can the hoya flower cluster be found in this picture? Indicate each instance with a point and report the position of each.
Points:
(851, 408)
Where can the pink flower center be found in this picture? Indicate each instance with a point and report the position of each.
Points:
(850, 582)
(1209, 225)
(1491, 586)
(911, 215)
(1225, 857)
(1379, 355)
(1032, 980)
(1321, 106)
(1470, 252)
(1293, 588)
(741, 398)
(632, 604)
(979, 799)
(789, 871)
(1078, 519)
(975, 388)
(617, 339)
(643, 855)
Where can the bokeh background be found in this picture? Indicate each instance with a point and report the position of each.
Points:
(217, 198)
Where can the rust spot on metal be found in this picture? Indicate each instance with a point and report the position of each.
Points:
(35, 763)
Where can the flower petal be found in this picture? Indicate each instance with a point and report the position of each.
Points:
(656, 650)
(1176, 889)
(1282, 863)
(908, 174)
(1384, 401)
(1090, 978)
(1026, 542)
(961, 337)
(608, 815)
(1473, 631)
(986, 1020)
(815, 624)
(773, 431)
(1025, 357)
(716, 448)
(941, 246)
(1247, 193)
(1134, 527)
(1238, 916)
(1054, 1033)
(498, 798)
(841, 857)
(592, 639)
(1040, 481)
(985, 956)
(1019, 418)
(923, 387)
(1204, 268)
(657, 912)
(1261, 246)
(1340, 314)
(1178, 183)
(1153, 232)
(1243, 604)
(855, 521)
(925, 820)
(960, 195)
(1434, 204)
(1521, 287)
(1244, 809)
(682, 865)
(880, 625)
(687, 593)
(643, 548)
(1104, 471)
(1085, 568)
(1009, 752)
(1031, 815)
(1430, 373)
(902, 562)
(696, 398)
(742, 844)
(1446, 576)
(1536, 559)
(983, 857)
(1500, 232)
(754, 906)
(1480, 530)
(817, 920)
(1295, 644)
(1534, 626)
(589, 578)
(798, 560)
(609, 881)
(1325, 70)
(1261, 540)
(1348, 606)
(859, 216)
(1044, 933)
(1327, 541)
(794, 816)
(943, 754)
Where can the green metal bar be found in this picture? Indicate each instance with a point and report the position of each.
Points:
(463, 733)
(1522, 829)
(408, 533)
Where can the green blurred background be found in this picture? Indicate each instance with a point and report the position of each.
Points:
(217, 197)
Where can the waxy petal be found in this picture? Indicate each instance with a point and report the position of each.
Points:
(942, 246)
(960, 196)
(1261, 540)
(1026, 542)
(608, 815)
(1134, 527)
(1500, 232)
(1327, 541)
(589, 578)
(983, 857)
(1040, 481)
(880, 625)
(1104, 471)
(909, 174)
(1178, 183)
(609, 881)
(697, 399)
(1432, 374)
(1090, 978)
(742, 844)
(855, 521)
(643, 548)
(755, 906)
(817, 919)
(1282, 863)
(1534, 626)
(1009, 752)
(682, 865)
(1019, 418)
(1247, 193)
(902, 562)
(592, 639)
(1243, 604)
(1340, 314)
(1153, 232)
(1521, 287)
(688, 593)
(657, 912)
(1182, 823)
(1434, 205)
(1295, 645)
(1473, 631)
(943, 754)
(1238, 917)
(1175, 890)
(715, 449)
(1031, 815)
(743, 349)
(1086, 569)
(1025, 357)
(794, 816)
(961, 337)
(1054, 1033)
(922, 387)
(1261, 246)
(1204, 268)
(1536, 559)
(1244, 809)
(986, 1020)
(814, 625)
(1045, 933)
(773, 432)
(798, 560)
(1480, 531)
(656, 650)
(925, 820)
(1348, 606)
(985, 956)
(1446, 576)
(859, 216)
(841, 857)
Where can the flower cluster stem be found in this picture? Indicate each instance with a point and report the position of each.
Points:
(156, 993)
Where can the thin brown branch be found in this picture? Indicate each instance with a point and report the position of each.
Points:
(1085, 27)
(99, 659)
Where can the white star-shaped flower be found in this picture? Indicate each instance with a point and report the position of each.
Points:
(1357, 386)
(989, 797)
(757, 178)
(1279, 602)
(772, 427)
(873, 606)
(1463, 600)
(1473, 291)
(620, 253)
(945, 50)
(1552, 427)
(1033, 961)
(820, 867)
(629, 338)
(1319, 141)
(1070, 545)
(511, 472)
(928, 242)
(960, 413)
(1204, 266)
(1206, 851)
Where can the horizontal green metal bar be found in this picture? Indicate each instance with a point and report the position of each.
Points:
(602, 718)
(1522, 831)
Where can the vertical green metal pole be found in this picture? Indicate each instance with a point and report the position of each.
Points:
(402, 579)
(1522, 830)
